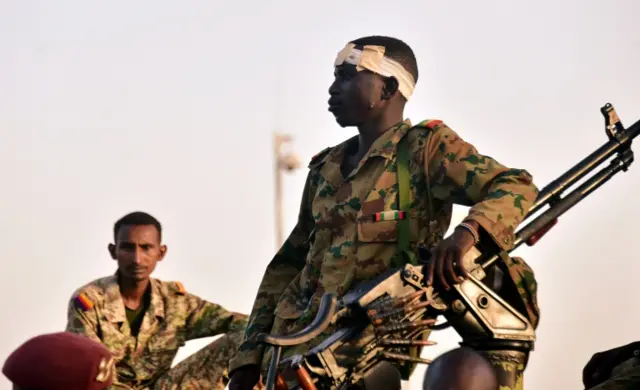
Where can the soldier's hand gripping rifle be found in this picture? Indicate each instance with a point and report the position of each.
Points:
(381, 318)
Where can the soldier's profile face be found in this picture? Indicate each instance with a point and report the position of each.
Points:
(137, 250)
(351, 94)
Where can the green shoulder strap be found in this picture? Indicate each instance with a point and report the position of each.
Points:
(404, 230)
(404, 204)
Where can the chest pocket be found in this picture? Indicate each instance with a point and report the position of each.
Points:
(112, 337)
(380, 223)
(379, 238)
(378, 219)
(383, 226)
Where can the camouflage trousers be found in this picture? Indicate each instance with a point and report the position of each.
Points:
(509, 367)
(205, 369)
(624, 377)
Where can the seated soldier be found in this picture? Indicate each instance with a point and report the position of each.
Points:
(143, 321)
(371, 201)
(59, 361)
(460, 369)
(615, 369)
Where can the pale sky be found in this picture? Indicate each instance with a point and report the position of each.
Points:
(169, 107)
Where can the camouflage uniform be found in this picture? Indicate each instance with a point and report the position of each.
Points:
(337, 242)
(173, 317)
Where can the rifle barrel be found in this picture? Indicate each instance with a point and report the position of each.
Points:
(620, 145)
(572, 199)
(584, 167)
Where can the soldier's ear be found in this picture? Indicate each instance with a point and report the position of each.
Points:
(163, 252)
(389, 88)
(112, 251)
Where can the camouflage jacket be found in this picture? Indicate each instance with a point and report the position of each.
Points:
(338, 241)
(97, 311)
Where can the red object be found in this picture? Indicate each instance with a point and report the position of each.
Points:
(281, 384)
(84, 302)
(536, 237)
(305, 379)
(432, 123)
(60, 361)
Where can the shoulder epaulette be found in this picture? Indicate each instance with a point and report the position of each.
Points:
(316, 159)
(83, 302)
(429, 123)
(179, 288)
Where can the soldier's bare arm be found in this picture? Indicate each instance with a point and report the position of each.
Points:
(283, 268)
(206, 319)
(499, 197)
(81, 317)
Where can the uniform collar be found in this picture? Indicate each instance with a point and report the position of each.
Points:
(114, 308)
(384, 146)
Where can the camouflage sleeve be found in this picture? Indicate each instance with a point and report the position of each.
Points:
(82, 320)
(500, 197)
(206, 319)
(283, 268)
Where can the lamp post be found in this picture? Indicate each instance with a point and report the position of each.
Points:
(288, 161)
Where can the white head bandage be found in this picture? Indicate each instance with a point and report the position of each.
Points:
(372, 58)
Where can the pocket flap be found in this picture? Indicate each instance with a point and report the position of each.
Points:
(380, 227)
(370, 230)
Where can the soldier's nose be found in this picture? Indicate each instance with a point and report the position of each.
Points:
(137, 257)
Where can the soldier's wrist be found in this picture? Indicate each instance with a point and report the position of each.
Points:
(471, 227)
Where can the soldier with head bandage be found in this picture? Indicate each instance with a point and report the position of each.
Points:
(371, 202)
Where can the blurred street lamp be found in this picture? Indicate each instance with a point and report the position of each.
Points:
(285, 160)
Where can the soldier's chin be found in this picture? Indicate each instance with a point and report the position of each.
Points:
(343, 121)
(141, 278)
(137, 276)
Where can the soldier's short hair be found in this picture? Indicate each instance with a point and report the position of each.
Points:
(137, 218)
(395, 49)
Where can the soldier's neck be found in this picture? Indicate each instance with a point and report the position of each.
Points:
(132, 292)
(371, 130)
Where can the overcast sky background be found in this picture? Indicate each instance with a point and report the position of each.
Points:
(169, 107)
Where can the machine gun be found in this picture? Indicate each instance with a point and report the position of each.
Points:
(384, 316)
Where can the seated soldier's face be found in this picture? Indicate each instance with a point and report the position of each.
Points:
(137, 250)
(352, 93)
